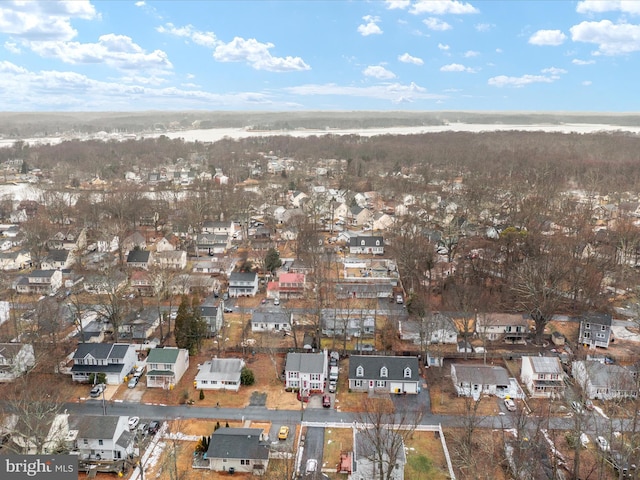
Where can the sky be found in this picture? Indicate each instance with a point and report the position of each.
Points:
(335, 55)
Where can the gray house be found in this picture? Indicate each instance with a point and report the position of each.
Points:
(115, 360)
(600, 381)
(378, 450)
(214, 318)
(99, 437)
(384, 374)
(595, 330)
(272, 319)
(238, 450)
(306, 371)
(352, 323)
(474, 380)
(243, 284)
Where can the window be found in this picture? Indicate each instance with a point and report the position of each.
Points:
(358, 383)
(360, 371)
(587, 326)
(362, 242)
(380, 383)
(384, 372)
(86, 442)
(100, 442)
(600, 335)
(407, 372)
(603, 328)
(245, 462)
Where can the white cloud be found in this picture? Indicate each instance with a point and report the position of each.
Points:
(436, 24)
(43, 21)
(456, 67)
(444, 47)
(370, 27)
(601, 6)
(587, 83)
(394, 92)
(498, 50)
(140, 3)
(406, 58)
(471, 53)
(205, 39)
(12, 47)
(484, 27)
(551, 75)
(116, 51)
(554, 70)
(397, 4)
(257, 55)
(612, 39)
(577, 61)
(442, 7)
(379, 72)
(548, 37)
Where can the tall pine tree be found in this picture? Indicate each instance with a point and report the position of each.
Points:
(182, 324)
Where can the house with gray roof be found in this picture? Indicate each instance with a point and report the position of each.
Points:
(472, 380)
(213, 317)
(243, 284)
(306, 371)
(57, 259)
(352, 323)
(220, 374)
(375, 450)
(140, 326)
(543, 376)
(366, 245)
(115, 360)
(239, 450)
(600, 381)
(101, 437)
(595, 330)
(166, 366)
(139, 259)
(391, 374)
(40, 282)
(271, 319)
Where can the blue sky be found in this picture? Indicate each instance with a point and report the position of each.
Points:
(510, 55)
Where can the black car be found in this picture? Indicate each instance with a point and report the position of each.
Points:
(153, 427)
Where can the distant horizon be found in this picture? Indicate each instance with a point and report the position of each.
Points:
(327, 56)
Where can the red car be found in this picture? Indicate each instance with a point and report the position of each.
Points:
(326, 401)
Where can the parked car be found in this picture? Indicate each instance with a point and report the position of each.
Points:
(276, 301)
(97, 390)
(577, 407)
(326, 401)
(399, 299)
(133, 382)
(588, 404)
(510, 404)
(312, 465)
(584, 439)
(138, 371)
(142, 428)
(133, 422)
(153, 427)
(333, 385)
(603, 444)
(283, 433)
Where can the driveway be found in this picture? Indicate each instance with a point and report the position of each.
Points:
(313, 448)
(420, 402)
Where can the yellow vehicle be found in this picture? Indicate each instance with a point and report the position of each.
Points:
(283, 433)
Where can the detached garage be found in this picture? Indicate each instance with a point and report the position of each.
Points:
(384, 374)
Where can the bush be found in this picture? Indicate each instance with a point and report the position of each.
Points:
(247, 377)
(201, 394)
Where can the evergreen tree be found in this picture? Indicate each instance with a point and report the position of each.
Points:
(272, 260)
(247, 377)
(181, 328)
(198, 327)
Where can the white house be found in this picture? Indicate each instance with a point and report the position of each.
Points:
(391, 374)
(42, 282)
(366, 245)
(15, 360)
(472, 380)
(543, 376)
(100, 437)
(600, 381)
(220, 374)
(243, 284)
(306, 371)
(115, 360)
(165, 366)
(241, 450)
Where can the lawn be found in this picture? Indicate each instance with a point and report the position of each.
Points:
(425, 458)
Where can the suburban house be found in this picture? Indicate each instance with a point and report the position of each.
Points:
(57, 260)
(289, 285)
(384, 374)
(214, 318)
(382, 221)
(201, 285)
(600, 381)
(100, 437)
(510, 327)
(243, 284)
(16, 260)
(272, 319)
(165, 245)
(139, 259)
(142, 283)
(214, 227)
(364, 290)
(595, 330)
(135, 241)
(115, 360)
(543, 376)
(337, 323)
(165, 366)
(472, 380)
(210, 244)
(15, 360)
(434, 328)
(369, 447)
(40, 282)
(73, 239)
(171, 259)
(239, 450)
(219, 374)
(359, 216)
(306, 372)
(103, 284)
(140, 326)
(366, 245)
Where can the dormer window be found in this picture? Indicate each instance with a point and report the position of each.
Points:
(362, 242)
(587, 326)
(378, 242)
(360, 371)
(384, 372)
(407, 372)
